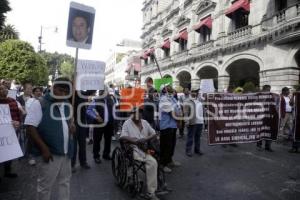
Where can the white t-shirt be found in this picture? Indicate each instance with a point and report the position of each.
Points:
(288, 108)
(34, 118)
(199, 112)
(131, 130)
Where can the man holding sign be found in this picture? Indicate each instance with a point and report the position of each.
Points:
(9, 115)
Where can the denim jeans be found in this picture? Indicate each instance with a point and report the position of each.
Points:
(194, 134)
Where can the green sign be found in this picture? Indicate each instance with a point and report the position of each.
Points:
(159, 82)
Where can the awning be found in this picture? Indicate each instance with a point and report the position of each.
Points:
(144, 56)
(167, 44)
(240, 4)
(134, 62)
(183, 35)
(150, 51)
(204, 22)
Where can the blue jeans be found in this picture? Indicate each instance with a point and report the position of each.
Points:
(194, 134)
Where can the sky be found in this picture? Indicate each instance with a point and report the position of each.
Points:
(114, 21)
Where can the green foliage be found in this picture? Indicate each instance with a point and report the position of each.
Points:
(120, 56)
(297, 87)
(55, 60)
(67, 69)
(249, 87)
(8, 32)
(20, 62)
(4, 8)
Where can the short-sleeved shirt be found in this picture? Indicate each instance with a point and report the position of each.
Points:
(130, 129)
(34, 118)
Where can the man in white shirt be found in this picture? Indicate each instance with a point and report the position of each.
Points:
(138, 131)
(193, 114)
(50, 129)
(286, 113)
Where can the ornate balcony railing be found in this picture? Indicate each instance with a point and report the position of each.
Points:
(206, 46)
(280, 16)
(240, 33)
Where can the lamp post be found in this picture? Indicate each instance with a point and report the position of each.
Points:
(40, 38)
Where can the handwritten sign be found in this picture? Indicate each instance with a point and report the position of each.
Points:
(207, 86)
(9, 145)
(90, 75)
(131, 97)
(12, 94)
(159, 82)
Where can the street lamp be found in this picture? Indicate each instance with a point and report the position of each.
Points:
(40, 38)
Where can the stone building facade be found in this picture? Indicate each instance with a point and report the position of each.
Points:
(229, 41)
(116, 69)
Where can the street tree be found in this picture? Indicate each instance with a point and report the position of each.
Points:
(55, 60)
(8, 32)
(67, 69)
(19, 61)
(4, 8)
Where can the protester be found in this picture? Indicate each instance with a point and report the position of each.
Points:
(168, 110)
(37, 93)
(101, 111)
(186, 92)
(267, 89)
(286, 113)
(15, 116)
(193, 115)
(150, 107)
(27, 94)
(137, 131)
(295, 144)
(51, 131)
(80, 120)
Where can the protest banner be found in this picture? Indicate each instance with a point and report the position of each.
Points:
(207, 86)
(9, 145)
(244, 118)
(12, 94)
(80, 26)
(159, 82)
(90, 75)
(297, 117)
(131, 97)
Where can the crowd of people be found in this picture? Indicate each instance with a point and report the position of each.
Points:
(50, 133)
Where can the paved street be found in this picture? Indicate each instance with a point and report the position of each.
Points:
(221, 173)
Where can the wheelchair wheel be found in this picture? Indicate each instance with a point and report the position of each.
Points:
(134, 186)
(119, 167)
(161, 179)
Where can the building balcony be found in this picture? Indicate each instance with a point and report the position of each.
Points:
(286, 26)
(203, 47)
(180, 55)
(240, 33)
(131, 77)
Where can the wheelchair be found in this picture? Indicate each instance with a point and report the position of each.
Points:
(127, 171)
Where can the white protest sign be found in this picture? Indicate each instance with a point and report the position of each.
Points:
(207, 86)
(12, 94)
(9, 145)
(90, 75)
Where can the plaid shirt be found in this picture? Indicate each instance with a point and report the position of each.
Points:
(13, 106)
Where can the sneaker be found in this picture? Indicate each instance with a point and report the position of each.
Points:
(167, 170)
(199, 153)
(175, 164)
(151, 196)
(32, 162)
(293, 150)
(85, 166)
(189, 154)
(269, 149)
(97, 160)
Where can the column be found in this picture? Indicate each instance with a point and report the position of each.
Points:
(195, 84)
(223, 82)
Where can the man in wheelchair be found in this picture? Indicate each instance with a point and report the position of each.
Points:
(137, 132)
